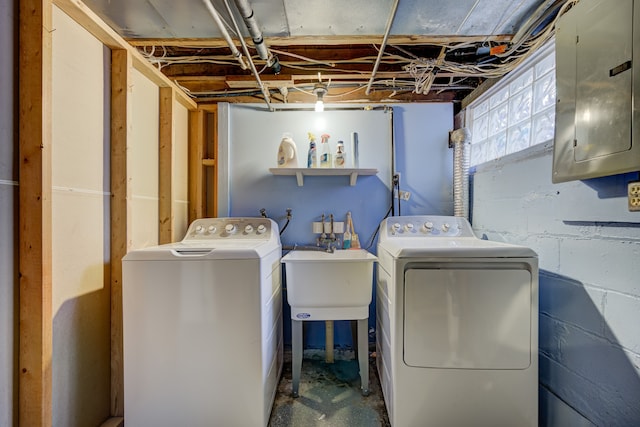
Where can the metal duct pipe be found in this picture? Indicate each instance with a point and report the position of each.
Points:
(460, 139)
(384, 44)
(256, 34)
(216, 17)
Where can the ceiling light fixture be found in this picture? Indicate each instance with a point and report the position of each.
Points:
(320, 90)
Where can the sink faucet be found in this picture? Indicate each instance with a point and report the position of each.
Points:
(329, 240)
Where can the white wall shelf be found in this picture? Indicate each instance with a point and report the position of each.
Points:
(300, 173)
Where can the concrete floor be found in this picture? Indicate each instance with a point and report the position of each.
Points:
(329, 394)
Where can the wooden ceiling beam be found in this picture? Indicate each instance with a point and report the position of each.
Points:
(321, 40)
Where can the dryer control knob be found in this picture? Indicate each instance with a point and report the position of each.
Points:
(408, 227)
(199, 229)
(445, 227)
(396, 226)
(261, 229)
(248, 229)
(230, 228)
(211, 229)
(428, 226)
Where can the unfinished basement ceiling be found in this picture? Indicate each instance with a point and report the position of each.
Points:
(436, 50)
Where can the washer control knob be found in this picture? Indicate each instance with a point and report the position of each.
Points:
(408, 227)
(211, 229)
(261, 228)
(199, 229)
(428, 226)
(230, 228)
(445, 227)
(248, 229)
(396, 226)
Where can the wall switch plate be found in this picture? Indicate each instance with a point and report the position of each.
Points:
(633, 196)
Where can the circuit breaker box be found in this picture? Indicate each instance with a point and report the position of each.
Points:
(598, 79)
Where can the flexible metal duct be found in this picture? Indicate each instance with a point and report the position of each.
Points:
(460, 140)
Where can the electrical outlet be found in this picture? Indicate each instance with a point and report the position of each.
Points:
(404, 195)
(633, 195)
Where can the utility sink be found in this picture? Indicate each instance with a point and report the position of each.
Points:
(329, 285)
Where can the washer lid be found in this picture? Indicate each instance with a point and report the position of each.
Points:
(193, 251)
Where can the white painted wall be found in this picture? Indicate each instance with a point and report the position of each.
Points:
(80, 208)
(589, 249)
(8, 219)
(144, 161)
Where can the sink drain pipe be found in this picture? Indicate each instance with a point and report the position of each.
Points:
(460, 140)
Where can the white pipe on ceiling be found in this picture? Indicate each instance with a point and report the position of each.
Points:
(265, 93)
(254, 29)
(216, 17)
(384, 44)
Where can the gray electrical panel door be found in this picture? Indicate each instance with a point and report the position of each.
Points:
(595, 85)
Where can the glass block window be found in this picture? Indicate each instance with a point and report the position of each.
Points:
(517, 112)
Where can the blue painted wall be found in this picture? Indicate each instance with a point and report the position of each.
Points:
(589, 249)
(248, 142)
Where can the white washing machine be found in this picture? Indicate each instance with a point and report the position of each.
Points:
(457, 326)
(203, 326)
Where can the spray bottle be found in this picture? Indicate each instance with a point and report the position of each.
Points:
(312, 156)
(325, 154)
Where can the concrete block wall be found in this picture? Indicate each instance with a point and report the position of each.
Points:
(589, 250)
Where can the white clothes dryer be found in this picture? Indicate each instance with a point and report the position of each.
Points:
(457, 326)
(203, 326)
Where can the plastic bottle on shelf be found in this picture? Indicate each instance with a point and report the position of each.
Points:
(325, 153)
(312, 156)
(341, 156)
(287, 152)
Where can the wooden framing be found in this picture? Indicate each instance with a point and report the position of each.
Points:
(120, 221)
(35, 226)
(35, 197)
(165, 166)
(196, 154)
(209, 161)
(323, 40)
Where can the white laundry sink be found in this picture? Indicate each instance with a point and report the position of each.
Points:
(329, 286)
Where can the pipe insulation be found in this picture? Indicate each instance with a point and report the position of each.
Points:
(460, 139)
(216, 17)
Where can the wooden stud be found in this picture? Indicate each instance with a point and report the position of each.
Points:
(120, 213)
(165, 169)
(321, 40)
(35, 225)
(196, 175)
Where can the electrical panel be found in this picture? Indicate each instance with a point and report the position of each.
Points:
(597, 129)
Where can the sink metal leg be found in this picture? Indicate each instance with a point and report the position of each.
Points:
(296, 355)
(363, 354)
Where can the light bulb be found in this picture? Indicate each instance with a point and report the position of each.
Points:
(319, 106)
